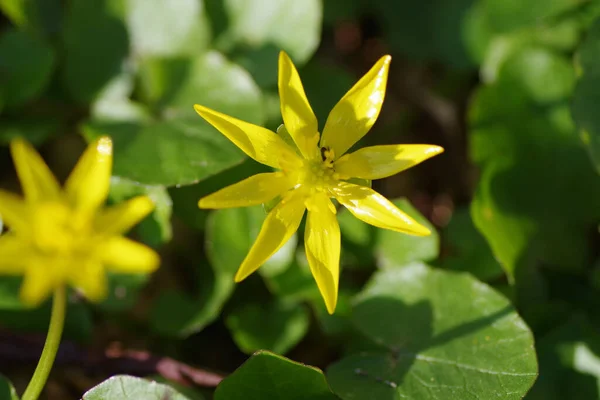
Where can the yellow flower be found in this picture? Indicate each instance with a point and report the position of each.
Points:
(312, 169)
(60, 237)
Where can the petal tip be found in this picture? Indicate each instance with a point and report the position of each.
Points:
(435, 150)
(201, 110)
(202, 203)
(104, 145)
(145, 204)
(284, 57)
(386, 60)
(331, 305)
(239, 277)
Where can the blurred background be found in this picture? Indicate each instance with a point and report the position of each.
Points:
(505, 86)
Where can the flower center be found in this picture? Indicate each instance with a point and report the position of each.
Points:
(58, 231)
(319, 175)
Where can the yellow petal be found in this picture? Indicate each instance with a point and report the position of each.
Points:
(88, 184)
(357, 111)
(37, 180)
(122, 217)
(254, 190)
(322, 243)
(281, 223)
(13, 254)
(90, 278)
(123, 255)
(257, 142)
(378, 162)
(14, 212)
(38, 284)
(298, 117)
(372, 208)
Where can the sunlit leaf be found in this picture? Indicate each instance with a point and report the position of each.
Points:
(269, 376)
(436, 334)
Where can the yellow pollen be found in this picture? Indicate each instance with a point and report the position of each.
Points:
(317, 176)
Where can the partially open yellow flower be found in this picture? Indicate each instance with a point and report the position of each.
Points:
(312, 169)
(60, 237)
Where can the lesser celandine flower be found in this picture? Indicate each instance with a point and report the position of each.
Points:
(64, 237)
(61, 237)
(311, 169)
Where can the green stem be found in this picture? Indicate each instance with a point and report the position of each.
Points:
(57, 321)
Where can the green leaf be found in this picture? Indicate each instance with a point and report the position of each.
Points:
(42, 17)
(228, 239)
(407, 26)
(467, 249)
(288, 24)
(175, 85)
(26, 65)
(394, 249)
(569, 362)
(506, 15)
(587, 94)
(35, 130)
(7, 391)
(276, 326)
(9, 293)
(124, 387)
(156, 228)
(532, 165)
(269, 376)
(440, 335)
(169, 153)
(96, 45)
(185, 198)
(294, 284)
(491, 46)
(113, 103)
(173, 28)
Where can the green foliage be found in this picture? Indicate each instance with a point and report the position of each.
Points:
(267, 375)
(7, 391)
(276, 326)
(396, 249)
(451, 349)
(129, 388)
(26, 63)
(510, 89)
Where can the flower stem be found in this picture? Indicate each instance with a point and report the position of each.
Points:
(57, 321)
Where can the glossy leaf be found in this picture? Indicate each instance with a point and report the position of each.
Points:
(394, 249)
(569, 362)
(290, 25)
(277, 326)
(26, 63)
(269, 376)
(229, 237)
(174, 28)
(168, 153)
(7, 391)
(175, 85)
(432, 340)
(519, 205)
(96, 46)
(131, 388)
